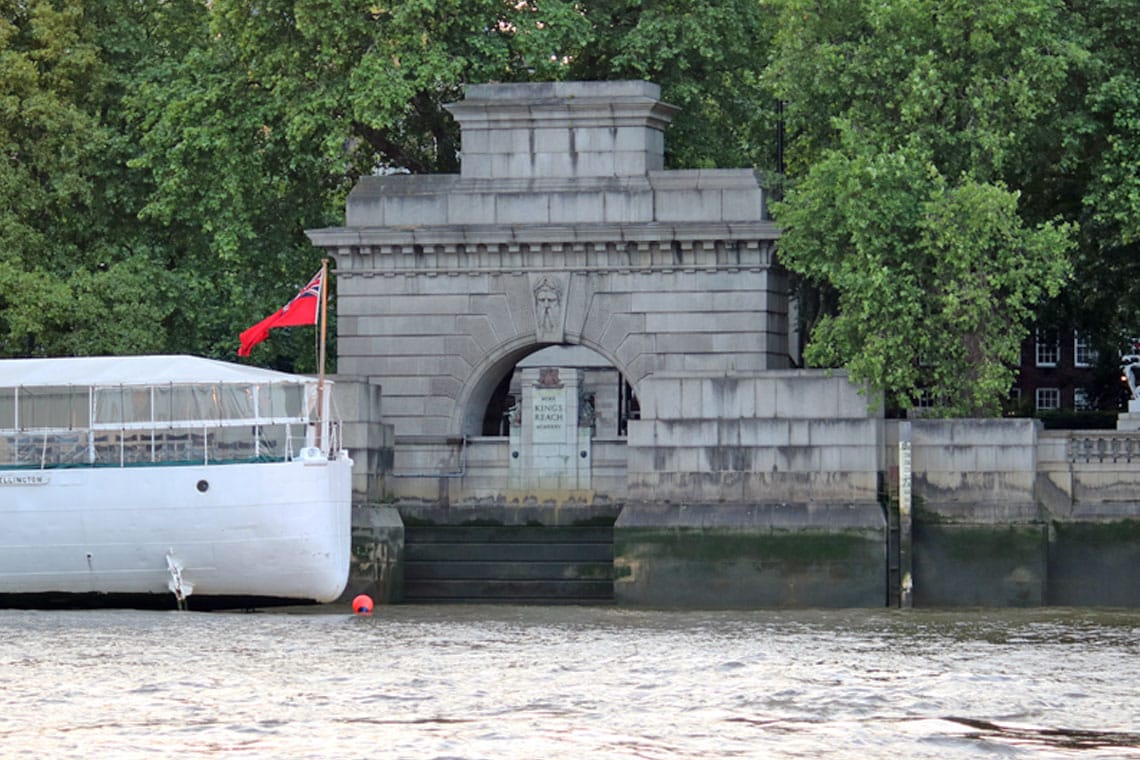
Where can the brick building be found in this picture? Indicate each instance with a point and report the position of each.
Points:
(1061, 370)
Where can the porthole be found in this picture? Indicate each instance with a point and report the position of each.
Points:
(203, 486)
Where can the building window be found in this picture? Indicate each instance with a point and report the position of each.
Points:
(1048, 398)
(1048, 348)
(1082, 401)
(1084, 355)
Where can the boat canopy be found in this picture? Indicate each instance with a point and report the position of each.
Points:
(135, 409)
(134, 370)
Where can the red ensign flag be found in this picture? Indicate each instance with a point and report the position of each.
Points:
(304, 309)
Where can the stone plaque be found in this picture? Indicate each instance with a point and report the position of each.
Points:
(548, 410)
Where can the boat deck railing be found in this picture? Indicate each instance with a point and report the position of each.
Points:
(167, 423)
(49, 449)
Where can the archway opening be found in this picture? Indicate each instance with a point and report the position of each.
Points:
(606, 397)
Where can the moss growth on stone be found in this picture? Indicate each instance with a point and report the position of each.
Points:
(720, 545)
(1099, 533)
(969, 543)
(597, 521)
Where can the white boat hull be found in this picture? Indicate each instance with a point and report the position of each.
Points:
(276, 529)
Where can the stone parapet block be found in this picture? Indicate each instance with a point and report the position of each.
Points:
(976, 469)
(778, 394)
(563, 129)
(770, 515)
(949, 493)
(736, 486)
(708, 195)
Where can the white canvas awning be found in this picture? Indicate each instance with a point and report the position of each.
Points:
(135, 370)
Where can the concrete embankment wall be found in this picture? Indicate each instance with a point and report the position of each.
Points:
(1007, 514)
(977, 529)
(781, 490)
(752, 491)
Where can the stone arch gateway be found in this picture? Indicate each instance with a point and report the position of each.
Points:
(564, 228)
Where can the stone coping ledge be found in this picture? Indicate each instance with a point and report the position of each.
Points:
(776, 516)
(630, 102)
(496, 513)
(512, 91)
(668, 179)
(765, 374)
(473, 235)
(574, 114)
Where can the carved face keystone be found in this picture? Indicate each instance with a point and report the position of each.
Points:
(547, 298)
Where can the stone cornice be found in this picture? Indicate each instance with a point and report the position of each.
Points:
(663, 197)
(578, 113)
(740, 180)
(562, 104)
(585, 248)
(538, 234)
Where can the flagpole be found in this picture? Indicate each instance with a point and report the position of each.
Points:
(321, 360)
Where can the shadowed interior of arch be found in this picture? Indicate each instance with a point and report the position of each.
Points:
(612, 401)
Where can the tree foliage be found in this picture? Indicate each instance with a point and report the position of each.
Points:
(258, 130)
(1095, 183)
(942, 156)
(709, 56)
(908, 123)
(78, 273)
(935, 279)
(47, 67)
(168, 156)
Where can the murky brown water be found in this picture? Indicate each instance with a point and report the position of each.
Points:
(508, 683)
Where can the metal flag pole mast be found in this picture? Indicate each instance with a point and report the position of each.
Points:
(321, 416)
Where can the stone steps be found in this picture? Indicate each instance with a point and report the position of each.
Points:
(509, 564)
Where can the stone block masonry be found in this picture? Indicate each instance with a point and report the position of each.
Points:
(561, 196)
(1002, 516)
(742, 482)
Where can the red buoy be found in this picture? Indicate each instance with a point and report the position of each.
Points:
(362, 605)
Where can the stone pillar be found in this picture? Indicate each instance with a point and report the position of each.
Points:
(368, 440)
(562, 129)
(1129, 420)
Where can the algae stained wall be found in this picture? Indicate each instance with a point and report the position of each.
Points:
(741, 496)
(752, 490)
(748, 556)
(1009, 515)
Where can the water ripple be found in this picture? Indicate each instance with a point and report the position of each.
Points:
(515, 683)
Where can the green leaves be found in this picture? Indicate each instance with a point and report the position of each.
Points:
(163, 159)
(964, 79)
(1115, 189)
(908, 121)
(49, 69)
(936, 279)
(709, 57)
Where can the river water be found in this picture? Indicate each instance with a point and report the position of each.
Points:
(506, 683)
